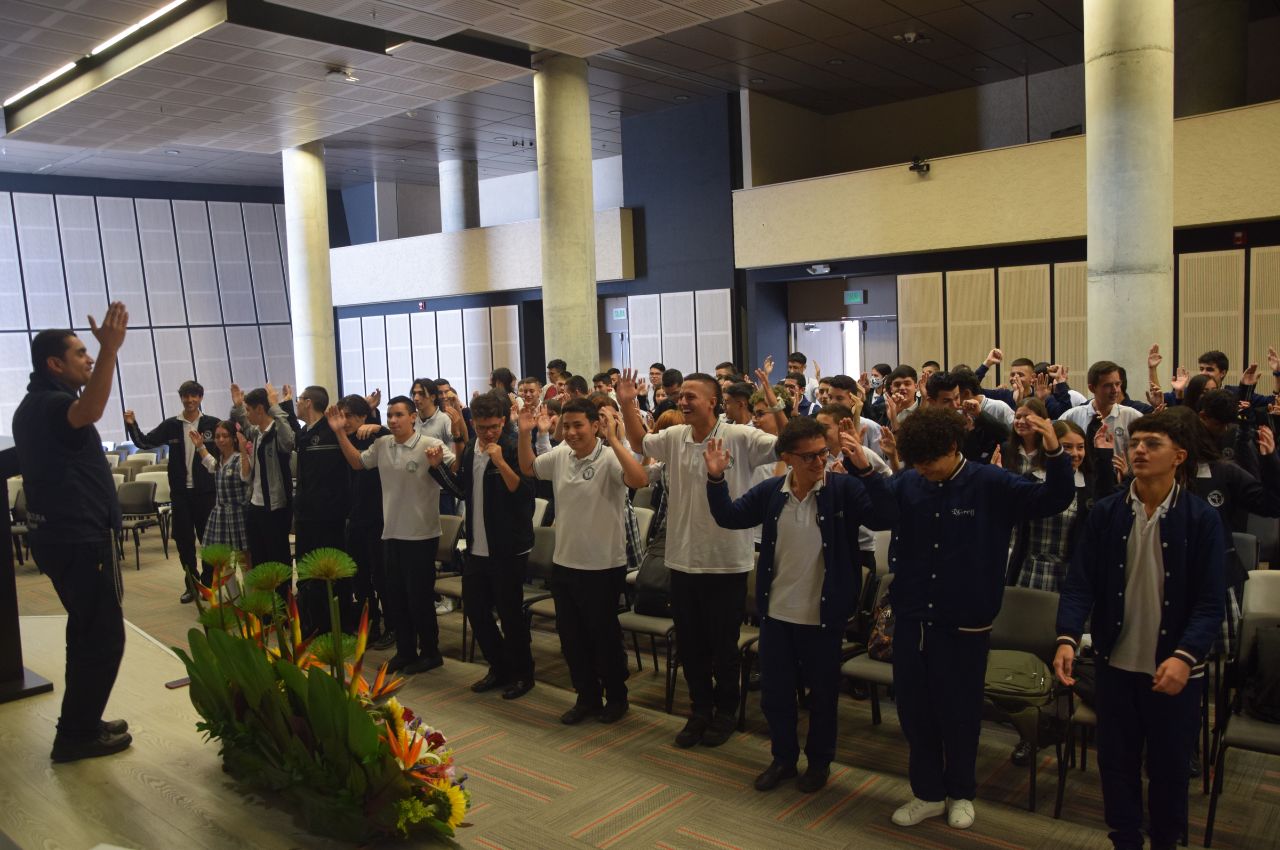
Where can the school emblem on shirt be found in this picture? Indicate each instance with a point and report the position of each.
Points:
(315, 440)
(1215, 498)
(1228, 453)
(588, 473)
(208, 435)
(411, 466)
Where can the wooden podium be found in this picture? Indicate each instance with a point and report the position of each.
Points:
(16, 681)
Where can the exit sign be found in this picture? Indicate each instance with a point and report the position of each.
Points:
(855, 296)
(619, 314)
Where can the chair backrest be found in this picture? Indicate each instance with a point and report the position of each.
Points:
(158, 467)
(137, 498)
(14, 487)
(644, 519)
(119, 478)
(19, 503)
(1246, 549)
(643, 498)
(141, 457)
(113, 459)
(1261, 608)
(161, 480)
(1267, 530)
(543, 553)
(882, 539)
(539, 511)
(1026, 622)
(450, 530)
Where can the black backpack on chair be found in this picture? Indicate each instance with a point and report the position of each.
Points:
(653, 581)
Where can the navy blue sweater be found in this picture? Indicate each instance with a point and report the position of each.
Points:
(951, 542)
(1194, 584)
(844, 503)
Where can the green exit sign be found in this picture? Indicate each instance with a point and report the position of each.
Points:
(619, 313)
(855, 296)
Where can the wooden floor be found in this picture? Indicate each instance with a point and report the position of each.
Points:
(535, 783)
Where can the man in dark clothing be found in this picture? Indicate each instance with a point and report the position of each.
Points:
(269, 514)
(190, 484)
(322, 501)
(364, 527)
(982, 433)
(73, 518)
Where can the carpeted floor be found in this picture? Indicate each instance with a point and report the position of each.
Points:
(537, 784)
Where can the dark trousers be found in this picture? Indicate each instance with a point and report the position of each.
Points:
(411, 580)
(590, 637)
(188, 519)
(267, 533)
(938, 676)
(707, 610)
(364, 544)
(791, 656)
(1132, 719)
(84, 576)
(313, 598)
(498, 583)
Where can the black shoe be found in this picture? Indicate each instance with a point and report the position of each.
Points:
(1195, 765)
(773, 774)
(1021, 754)
(613, 710)
(387, 641)
(815, 777)
(719, 730)
(753, 682)
(187, 597)
(580, 712)
(423, 664)
(113, 727)
(398, 663)
(490, 681)
(518, 688)
(693, 731)
(106, 744)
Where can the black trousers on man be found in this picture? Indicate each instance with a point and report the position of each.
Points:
(1133, 719)
(707, 609)
(364, 544)
(590, 637)
(84, 576)
(411, 577)
(313, 598)
(938, 679)
(268, 534)
(490, 584)
(792, 656)
(188, 518)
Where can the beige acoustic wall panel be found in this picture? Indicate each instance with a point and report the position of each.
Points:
(1024, 314)
(971, 316)
(1211, 307)
(920, 328)
(1070, 309)
(1264, 306)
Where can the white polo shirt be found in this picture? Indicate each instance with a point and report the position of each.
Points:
(1118, 420)
(410, 496)
(591, 499)
(437, 425)
(695, 543)
(798, 569)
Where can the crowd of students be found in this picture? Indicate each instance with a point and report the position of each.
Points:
(1122, 506)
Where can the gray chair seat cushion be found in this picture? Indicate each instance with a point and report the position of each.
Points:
(864, 668)
(1248, 733)
(646, 625)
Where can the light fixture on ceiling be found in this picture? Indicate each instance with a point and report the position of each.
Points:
(337, 72)
(836, 61)
(531, 159)
(912, 37)
(1023, 16)
(980, 68)
(172, 152)
(128, 31)
(501, 139)
(353, 171)
(818, 268)
(400, 159)
(446, 150)
(411, 114)
(756, 80)
(615, 111)
(681, 98)
(43, 81)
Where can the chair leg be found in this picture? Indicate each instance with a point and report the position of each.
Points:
(653, 649)
(673, 665)
(1061, 751)
(137, 550)
(635, 642)
(1218, 768)
(874, 691)
(745, 666)
(1204, 737)
(1033, 767)
(1084, 749)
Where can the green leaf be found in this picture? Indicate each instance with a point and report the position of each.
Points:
(362, 732)
(327, 711)
(267, 576)
(326, 564)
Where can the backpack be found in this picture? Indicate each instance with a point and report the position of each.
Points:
(1261, 688)
(1016, 680)
(880, 642)
(653, 582)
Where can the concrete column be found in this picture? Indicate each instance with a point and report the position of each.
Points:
(1211, 71)
(459, 195)
(567, 219)
(306, 216)
(1128, 81)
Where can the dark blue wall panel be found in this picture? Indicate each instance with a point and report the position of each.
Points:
(361, 213)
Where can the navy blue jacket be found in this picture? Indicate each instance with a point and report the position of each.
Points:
(951, 542)
(844, 503)
(171, 433)
(1191, 538)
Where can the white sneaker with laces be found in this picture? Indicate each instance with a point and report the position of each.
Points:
(444, 606)
(960, 814)
(918, 810)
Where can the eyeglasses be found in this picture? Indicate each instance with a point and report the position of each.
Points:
(810, 457)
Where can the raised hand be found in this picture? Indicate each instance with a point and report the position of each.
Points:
(1273, 359)
(1249, 377)
(642, 387)
(286, 392)
(237, 395)
(435, 455)
(865, 383)
(1154, 357)
(851, 440)
(971, 407)
(888, 444)
(129, 418)
(336, 418)
(894, 404)
(367, 430)
(1155, 396)
(627, 390)
(1042, 386)
(242, 441)
(527, 418)
(273, 396)
(1266, 440)
(997, 459)
(1019, 388)
(716, 457)
(1044, 427)
(995, 357)
(768, 366)
(1105, 439)
(610, 425)
(1180, 379)
(374, 398)
(115, 323)
(762, 378)
(1120, 465)
(196, 439)
(817, 370)
(546, 422)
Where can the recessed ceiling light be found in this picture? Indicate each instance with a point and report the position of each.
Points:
(446, 150)
(400, 159)
(1023, 16)
(615, 111)
(353, 171)
(835, 61)
(682, 97)
(980, 68)
(501, 139)
(756, 80)
(411, 114)
(531, 160)
(345, 75)
(172, 152)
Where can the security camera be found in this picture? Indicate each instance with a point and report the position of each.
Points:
(919, 166)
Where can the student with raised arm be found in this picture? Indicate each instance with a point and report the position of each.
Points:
(708, 564)
(407, 463)
(590, 472)
(268, 516)
(809, 577)
(1148, 576)
(948, 554)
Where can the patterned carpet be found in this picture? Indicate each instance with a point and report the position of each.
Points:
(539, 785)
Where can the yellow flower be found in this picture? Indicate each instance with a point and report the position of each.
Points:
(397, 712)
(457, 801)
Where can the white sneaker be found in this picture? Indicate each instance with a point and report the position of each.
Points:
(917, 811)
(444, 606)
(960, 814)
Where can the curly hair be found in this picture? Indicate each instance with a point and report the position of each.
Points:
(930, 433)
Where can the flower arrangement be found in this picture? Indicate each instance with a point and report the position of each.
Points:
(299, 718)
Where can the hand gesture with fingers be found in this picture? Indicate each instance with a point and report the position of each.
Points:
(865, 383)
(373, 398)
(851, 440)
(716, 457)
(997, 458)
(994, 358)
(1154, 394)
(273, 396)
(1273, 359)
(196, 439)
(888, 445)
(1180, 379)
(1266, 440)
(1042, 386)
(1120, 465)
(627, 389)
(286, 392)
(1105, 439)
(367, 430)
(817, 370)
(237, 395)
(1063, 660)
(1154, 357)
(110, 335)
(129, 418)
(336, 418)
(1249, 377)
(435, 455)
(1044, 427)
(768, 367)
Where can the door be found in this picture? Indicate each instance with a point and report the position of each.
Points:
(879, 341)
